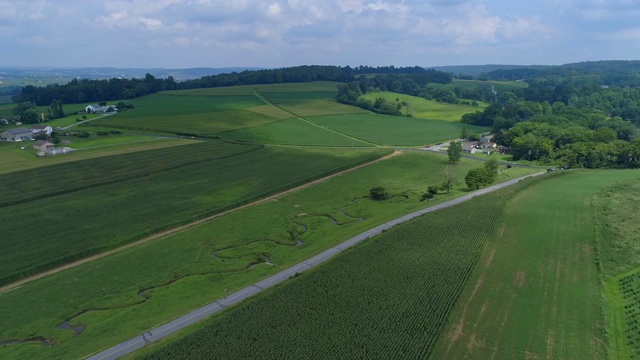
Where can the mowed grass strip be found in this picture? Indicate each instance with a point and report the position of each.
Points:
(85, 222)
(120, 296)
(393, 130)
(388, 298)
(536, 292)
(427, 109)
(202, 115)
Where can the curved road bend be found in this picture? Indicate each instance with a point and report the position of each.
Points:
(171, 327)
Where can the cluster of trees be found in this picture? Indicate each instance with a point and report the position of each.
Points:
(415, 84)
(295, 74)
(579, 134)
(482, 176)
(26, 112)
(568, 118)
(618, 73)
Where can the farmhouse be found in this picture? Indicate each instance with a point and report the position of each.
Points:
(17, 134)
(43, 146)
(97, 109)
(470, 147)
(41, 129)
(45, 150)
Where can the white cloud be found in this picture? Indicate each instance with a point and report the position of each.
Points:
(272, 33)
(150, 23)
(7, 10)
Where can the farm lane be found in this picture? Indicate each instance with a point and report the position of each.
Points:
(199, 314)
(29, 279)
(84, 121)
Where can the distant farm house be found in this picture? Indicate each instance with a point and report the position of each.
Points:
(43, 146)
(17, 134)
(97, 109)
(41, 129)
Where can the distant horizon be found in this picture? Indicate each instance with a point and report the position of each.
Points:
(295, 65)
(182, 34)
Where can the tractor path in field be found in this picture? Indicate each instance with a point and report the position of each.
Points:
(266, 101)
(204, 312)
(162, 234)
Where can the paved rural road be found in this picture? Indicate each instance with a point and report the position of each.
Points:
(159, 332)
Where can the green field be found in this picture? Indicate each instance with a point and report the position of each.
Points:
(427, 109)
(393, 130)
(85, 221)
(387, 298)
(294, 132)
(536, 292)
(316, 86)
(309, 103)
(212, 111)
(5, 99)
(469, 84)
(183, 274)
(270, 114)
(202, 115)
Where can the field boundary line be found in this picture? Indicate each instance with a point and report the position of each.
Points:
(218, 305)
(162, 234)
(266, 101)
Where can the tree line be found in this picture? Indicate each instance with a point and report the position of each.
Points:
(85, 90)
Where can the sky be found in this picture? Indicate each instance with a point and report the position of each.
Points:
(280, 33)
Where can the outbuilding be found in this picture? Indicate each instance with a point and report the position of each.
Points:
(17, 134)
(43, 146)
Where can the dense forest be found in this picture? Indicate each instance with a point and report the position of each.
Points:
(586, 125)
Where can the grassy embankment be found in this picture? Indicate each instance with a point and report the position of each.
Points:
(186, 270)
(617, 214)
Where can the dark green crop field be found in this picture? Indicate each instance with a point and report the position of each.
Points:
(98, 210)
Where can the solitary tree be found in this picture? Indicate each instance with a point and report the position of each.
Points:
(477, 178)
(449, 180)
(454, 152)
(492, 169)
(30, 116)
(55, 109)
